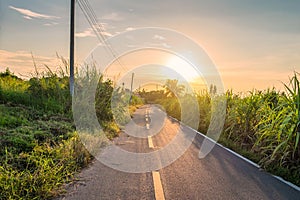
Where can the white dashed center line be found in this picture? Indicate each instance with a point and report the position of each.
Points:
(158, 189)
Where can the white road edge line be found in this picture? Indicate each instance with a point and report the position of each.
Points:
(158, 189)
(287, 182)
(150, 142)
(240, 156)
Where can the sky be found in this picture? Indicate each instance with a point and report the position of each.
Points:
(253, 44)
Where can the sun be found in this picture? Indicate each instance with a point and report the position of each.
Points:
(182, 67)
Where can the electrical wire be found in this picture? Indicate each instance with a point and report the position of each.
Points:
(98, 29)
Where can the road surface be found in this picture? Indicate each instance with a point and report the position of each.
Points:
(220, 175)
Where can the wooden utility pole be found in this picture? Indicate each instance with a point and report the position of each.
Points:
(72, 35)
(131, 85)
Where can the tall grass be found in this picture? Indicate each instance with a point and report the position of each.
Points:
(262, 125)
(278, 131)
(39, 148)
(242, 117)
(39, 174)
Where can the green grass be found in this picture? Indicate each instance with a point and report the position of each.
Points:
(40, 173)
(39, 148)
(38, 152)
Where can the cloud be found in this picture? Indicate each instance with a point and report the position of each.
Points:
(103, 25)
(158, 37)
(27, 17)
(166, 45)
(28, 14)
(90, 33)
(105, 33)
(148, 44)
(161, 45)
(87, 33)
(112, 17)
(21, 63)
(129, 29)
(50, 24)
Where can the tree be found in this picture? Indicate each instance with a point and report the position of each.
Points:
(173, 89)
(8, 73)
(212, 89)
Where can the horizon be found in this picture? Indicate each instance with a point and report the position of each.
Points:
(155, 87)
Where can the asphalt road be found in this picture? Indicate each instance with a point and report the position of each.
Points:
(220, 175)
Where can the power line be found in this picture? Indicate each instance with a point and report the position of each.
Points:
(92, 20)
(98, 28)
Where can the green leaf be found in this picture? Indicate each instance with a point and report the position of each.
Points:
(277, 148)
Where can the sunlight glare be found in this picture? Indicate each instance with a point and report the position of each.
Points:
(183, 68)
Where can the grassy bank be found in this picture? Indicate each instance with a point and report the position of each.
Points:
(40, 150)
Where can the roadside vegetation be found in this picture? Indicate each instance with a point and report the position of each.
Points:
(40, 150)
(264, 126)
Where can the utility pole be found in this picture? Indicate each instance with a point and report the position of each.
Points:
(131, 82)
(131, 86)
(72, 34)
